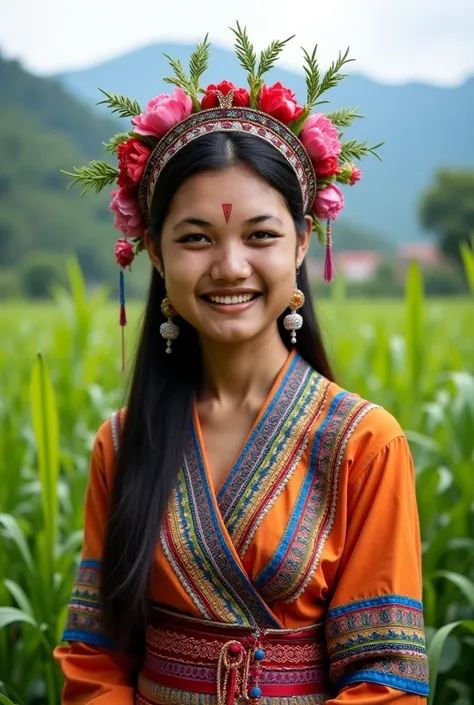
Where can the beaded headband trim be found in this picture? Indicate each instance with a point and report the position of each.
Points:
(252, 122)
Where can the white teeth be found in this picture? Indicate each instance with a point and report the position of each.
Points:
(228, 300)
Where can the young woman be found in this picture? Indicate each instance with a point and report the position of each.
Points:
(251, 530)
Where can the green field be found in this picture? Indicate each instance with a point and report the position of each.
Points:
(414, 357)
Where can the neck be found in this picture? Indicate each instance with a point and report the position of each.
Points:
(232, 373)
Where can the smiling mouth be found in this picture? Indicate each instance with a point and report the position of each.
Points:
(231, 300)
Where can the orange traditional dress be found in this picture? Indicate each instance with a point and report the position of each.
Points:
(297, 582)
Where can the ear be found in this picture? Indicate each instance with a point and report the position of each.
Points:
(153, 254)
(303, 241)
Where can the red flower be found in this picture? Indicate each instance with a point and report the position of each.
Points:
(280, 103)
(132, 157)
(326, 167)
(241, 97)
(124, 253)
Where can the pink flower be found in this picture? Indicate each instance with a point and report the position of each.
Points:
(162, 113)
(241, 97)
(320, 138)
(280, 103)
(132, 157)
(124, 254)
(128, 218)
(329, 202)
(355, 175)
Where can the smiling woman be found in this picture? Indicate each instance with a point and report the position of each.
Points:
(251, 530)
(256, 253)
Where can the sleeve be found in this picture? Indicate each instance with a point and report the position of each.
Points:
(95, 672)
(374, 626)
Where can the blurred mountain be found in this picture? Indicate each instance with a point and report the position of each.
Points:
(49, 124)
(424, 127)
(42, 131)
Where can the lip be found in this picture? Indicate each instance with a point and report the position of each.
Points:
(229, 292)
(232, 308)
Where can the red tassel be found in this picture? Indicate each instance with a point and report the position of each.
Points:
(231, 688)
(123, 316)
(329, 269)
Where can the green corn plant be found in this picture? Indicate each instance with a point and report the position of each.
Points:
(467, 255)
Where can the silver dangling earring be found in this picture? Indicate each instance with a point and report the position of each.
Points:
(169, 330)
(294, 321)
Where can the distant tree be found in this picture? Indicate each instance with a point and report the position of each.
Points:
(9, 283)
(444, 281)
(386, 280)
(37, 211)
(348, 236)
(40, 272)
(447, 209)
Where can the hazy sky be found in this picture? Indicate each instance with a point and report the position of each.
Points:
(429, 40)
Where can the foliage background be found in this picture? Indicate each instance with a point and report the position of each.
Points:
(399, 355)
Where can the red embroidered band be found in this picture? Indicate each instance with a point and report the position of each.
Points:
(189, 660)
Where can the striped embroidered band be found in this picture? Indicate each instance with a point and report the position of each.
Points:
(193, 662)
(244, 120)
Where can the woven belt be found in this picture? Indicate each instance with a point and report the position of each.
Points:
(193, 662)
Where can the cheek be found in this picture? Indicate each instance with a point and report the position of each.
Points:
(279, 269)
(182, 268)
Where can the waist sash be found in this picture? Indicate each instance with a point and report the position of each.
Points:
(194, 662)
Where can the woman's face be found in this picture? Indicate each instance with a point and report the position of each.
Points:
(229, 252)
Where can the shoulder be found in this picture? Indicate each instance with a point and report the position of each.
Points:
(356, 429)
(105, 448)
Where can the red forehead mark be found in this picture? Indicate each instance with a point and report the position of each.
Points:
(227, 208)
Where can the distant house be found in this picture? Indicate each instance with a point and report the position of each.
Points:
(425, 253)
(358, 266)
(362, 265)
(354, 265)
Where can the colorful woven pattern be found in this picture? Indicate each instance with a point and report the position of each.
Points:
(289, 571)
(190, 662)
(245, 120)
(380, 640)
(83, 617)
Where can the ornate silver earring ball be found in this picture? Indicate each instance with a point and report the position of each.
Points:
(169, 330)
(294, 321)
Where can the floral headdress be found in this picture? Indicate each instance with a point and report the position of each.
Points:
(312, 142)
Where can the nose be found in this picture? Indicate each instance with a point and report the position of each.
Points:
(230, 263)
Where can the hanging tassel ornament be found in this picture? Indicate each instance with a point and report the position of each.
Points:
(329, 269)
(123, 316)
(124, 255)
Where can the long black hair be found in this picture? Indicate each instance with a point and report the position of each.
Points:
(163, 388)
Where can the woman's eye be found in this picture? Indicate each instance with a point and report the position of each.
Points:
(263, 235)
(196, 237)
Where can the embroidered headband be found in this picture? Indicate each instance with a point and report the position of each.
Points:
(246, 120)
(311, 142)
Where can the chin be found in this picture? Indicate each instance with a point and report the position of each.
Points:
(233, 335)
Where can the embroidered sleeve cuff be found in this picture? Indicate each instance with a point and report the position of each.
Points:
(379, 640)
(84, 614)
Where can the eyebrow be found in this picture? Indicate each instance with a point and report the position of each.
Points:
(205, 224)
